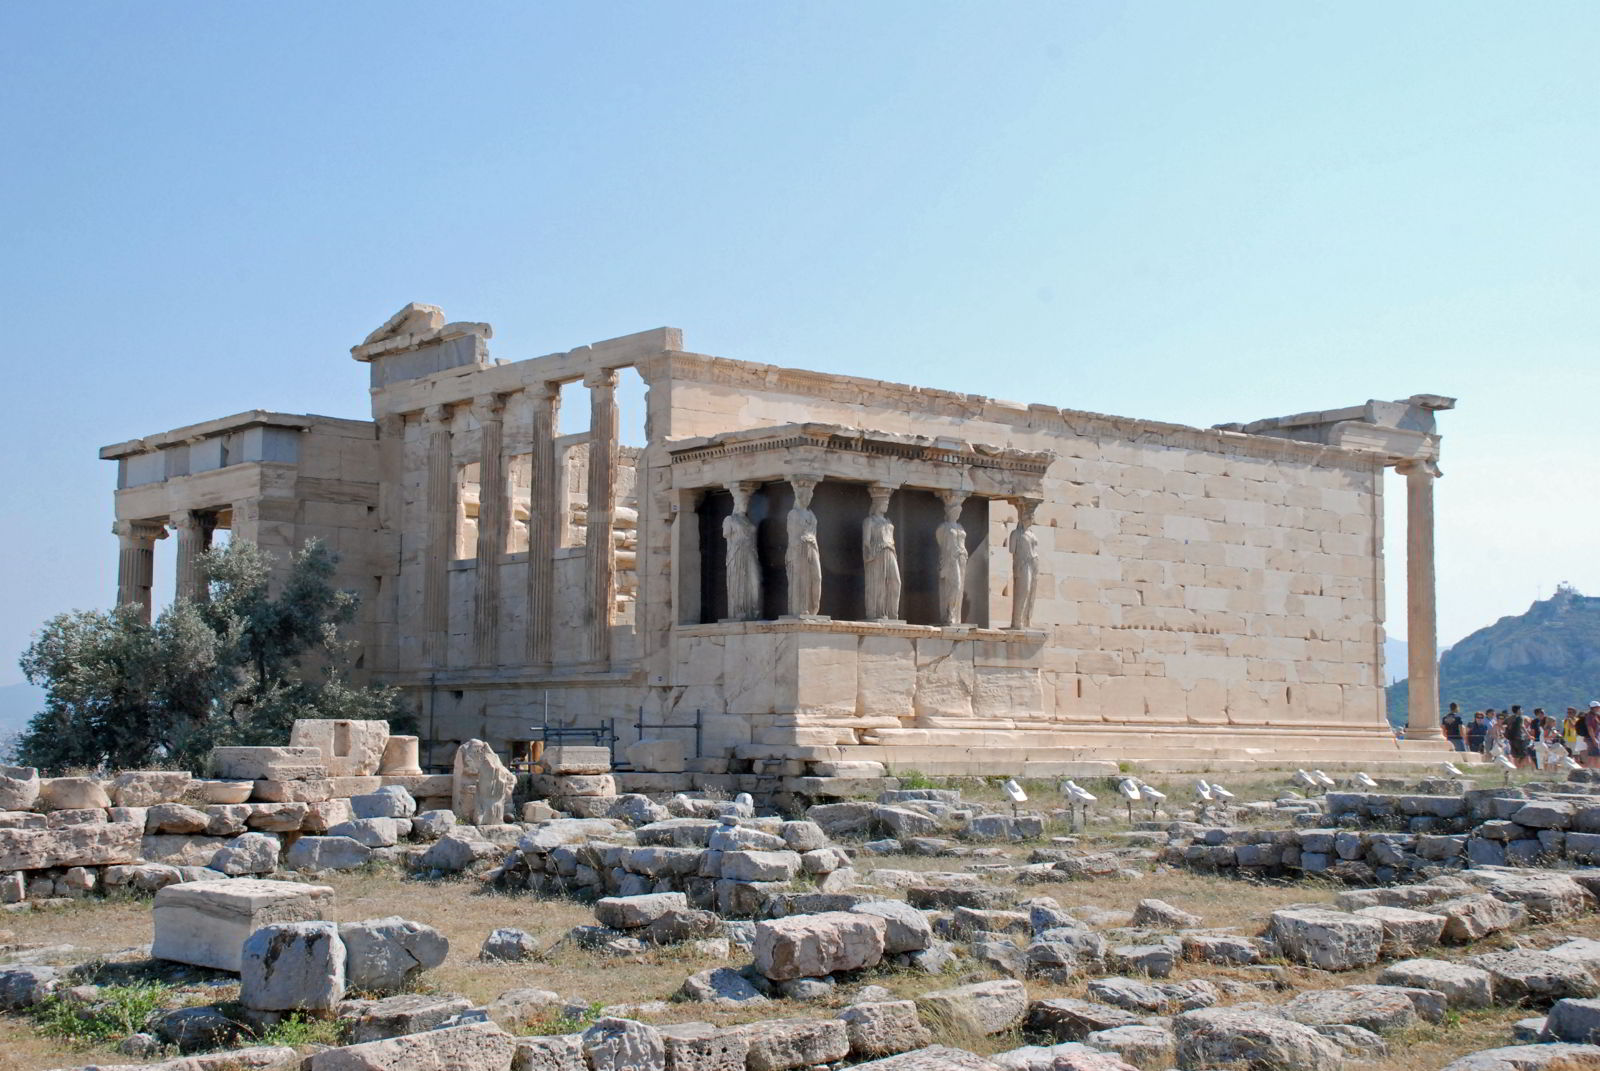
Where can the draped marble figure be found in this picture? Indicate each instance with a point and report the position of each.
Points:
(803, 556)
(881, 561)
(1024, 547)
(952, 542)
(744, 565)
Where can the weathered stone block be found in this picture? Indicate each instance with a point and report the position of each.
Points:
(293, 966)
(206, 922)
(809, 946)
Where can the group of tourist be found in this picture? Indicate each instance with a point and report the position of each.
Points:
(1535, 740)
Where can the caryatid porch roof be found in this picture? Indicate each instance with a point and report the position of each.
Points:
(833, 451)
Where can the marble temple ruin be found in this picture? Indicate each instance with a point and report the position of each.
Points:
(803, 567)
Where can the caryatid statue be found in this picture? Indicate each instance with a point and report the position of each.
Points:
(881, 561)
(952, 542)
(803, 556)
(744, 566)
(1024, 547)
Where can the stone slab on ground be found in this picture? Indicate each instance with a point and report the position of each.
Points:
(473, 1047)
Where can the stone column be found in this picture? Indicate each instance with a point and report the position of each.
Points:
(544, 515)
(191, 543)
(951, 539)
(1422, 634)
(598, 541)
(136, 560)
(1024, 546)
(440, 503)
(492, 514)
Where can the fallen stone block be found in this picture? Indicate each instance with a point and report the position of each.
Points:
(704, 1047)
(327, 853)
(551, 1052)
(982, 1007)
(1523, 976)
(385, 955)
(883, 1028)
(790, 1044)
(293, 966)
(397, 1016)
(632, 912)
(613, 1044)
(146, 788)
(472, 1047)
(1556, 1056)
(205, 923)
(267, 763)
(19, 788)
(1472, 918)
(1463, 986)
(722, 986)
(1406, 932)
(1573, 1019)
(906, 928)
(810, 946)
(101, 844)
(1219, 1037)
(1331, 940)
(1071, 1019)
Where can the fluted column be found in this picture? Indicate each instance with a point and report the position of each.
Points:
(600, 549)
(1422, 626)
(191, 543)
(136, 563)
(440, 504)
(492, 514)
(544, 515)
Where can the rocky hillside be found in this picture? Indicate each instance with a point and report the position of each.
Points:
(1548, 657)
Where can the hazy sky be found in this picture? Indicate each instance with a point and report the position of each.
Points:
(1188, 212)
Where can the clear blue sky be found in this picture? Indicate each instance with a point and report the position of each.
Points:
(1189, 212)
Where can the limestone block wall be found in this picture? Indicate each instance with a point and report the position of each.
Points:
(1187, 575)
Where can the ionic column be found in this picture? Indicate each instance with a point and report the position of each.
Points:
(136, 563)
(191, 544)
(439, 500)
(1422, 629)
(492, 514)
(601, 551)
(544, 515)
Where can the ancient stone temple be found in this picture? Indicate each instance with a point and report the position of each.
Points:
(798, 566)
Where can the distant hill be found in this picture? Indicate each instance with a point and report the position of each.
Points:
(1548, 657)
(1394, 661)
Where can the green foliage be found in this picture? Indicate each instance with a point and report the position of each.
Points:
(298, 1030)
(915, 779)
(239, 668)
(120, 1010)
(572, 1024)
(1548, 657)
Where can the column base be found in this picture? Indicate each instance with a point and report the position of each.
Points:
(809, 619)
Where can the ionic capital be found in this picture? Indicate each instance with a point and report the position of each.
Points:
(601, 379)
(1419, 467)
